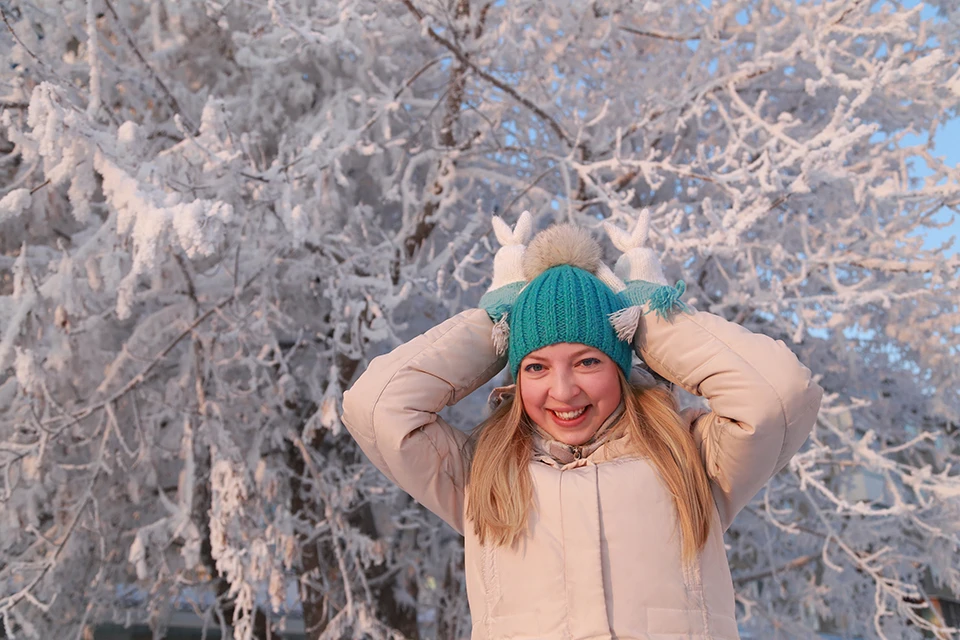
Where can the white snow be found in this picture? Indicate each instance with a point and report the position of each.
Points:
(209, 241)
(15, 203)
(128, 133)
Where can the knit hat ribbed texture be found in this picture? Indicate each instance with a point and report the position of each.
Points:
(566, 304)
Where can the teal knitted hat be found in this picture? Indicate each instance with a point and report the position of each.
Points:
(564, 301)
(558, 289)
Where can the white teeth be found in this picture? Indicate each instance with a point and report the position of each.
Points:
(570, 415)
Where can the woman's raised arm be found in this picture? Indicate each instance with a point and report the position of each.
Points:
(391, 410)
(763, 400)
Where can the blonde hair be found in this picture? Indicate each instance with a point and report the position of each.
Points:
(500, 491)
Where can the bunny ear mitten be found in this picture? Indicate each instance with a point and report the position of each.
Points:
(640, 270)
(508, 279)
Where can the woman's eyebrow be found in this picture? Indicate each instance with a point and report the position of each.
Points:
(574, 355)
(580, 352)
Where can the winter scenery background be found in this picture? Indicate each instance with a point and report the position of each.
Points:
(214, 213)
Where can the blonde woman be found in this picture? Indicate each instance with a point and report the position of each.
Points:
(591, 507)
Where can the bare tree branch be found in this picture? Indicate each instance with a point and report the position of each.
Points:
(510, 91)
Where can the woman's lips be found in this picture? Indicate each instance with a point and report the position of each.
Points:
(569, 418)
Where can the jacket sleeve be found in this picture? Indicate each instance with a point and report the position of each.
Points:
(763, 401)
(391, 410)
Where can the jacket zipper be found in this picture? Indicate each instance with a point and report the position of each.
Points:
(576, 451)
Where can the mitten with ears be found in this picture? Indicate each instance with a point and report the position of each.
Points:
(638, 262)
(640, 270)
(508, 277)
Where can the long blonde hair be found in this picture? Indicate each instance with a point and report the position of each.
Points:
(500, 491)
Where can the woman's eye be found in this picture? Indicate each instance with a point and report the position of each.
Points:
(590, 362)
(533, 368)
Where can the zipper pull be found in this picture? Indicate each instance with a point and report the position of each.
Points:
(576, 451)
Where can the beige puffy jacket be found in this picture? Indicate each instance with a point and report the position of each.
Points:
(602, 559)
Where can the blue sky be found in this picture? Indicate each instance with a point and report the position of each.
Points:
(947, 145)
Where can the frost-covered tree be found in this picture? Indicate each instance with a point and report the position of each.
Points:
(213, 214)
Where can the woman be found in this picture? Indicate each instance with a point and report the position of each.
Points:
(591, 507)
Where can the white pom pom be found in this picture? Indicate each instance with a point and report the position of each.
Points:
(561, 244)
(501, 335)
(626, 321)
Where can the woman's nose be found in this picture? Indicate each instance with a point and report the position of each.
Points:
(564, 387)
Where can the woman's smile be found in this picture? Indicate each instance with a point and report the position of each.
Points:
(568, 416)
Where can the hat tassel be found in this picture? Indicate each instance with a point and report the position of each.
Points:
(659, 299)
(501, 335)
(626, 321)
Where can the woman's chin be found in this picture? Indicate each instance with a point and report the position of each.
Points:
(574, 441)
(573, 436)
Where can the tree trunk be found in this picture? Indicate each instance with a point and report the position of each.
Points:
(317, 556)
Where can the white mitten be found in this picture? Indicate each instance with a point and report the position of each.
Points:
(508, 263)
(508, 278)
(640, 270)
(638, 262)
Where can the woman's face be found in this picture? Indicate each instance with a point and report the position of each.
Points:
(568, 390)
